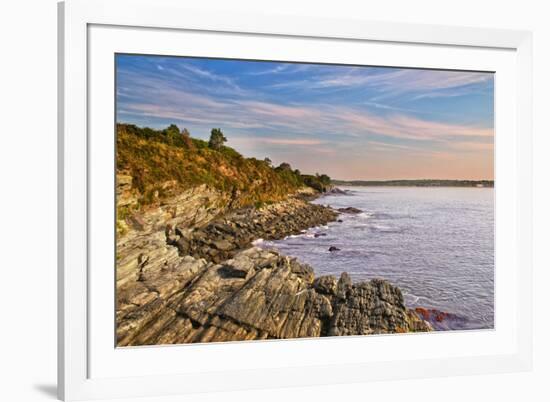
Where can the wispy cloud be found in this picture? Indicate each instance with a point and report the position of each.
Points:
(407, 127)
(290, 141)
(183, 76)
(308, 112)
(411, 80)
(394, 82)
(286, 68)
(278, 111)
(390, 107)
(166, 102)
(273, 70)
(211, 76)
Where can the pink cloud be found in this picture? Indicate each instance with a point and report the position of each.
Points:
(290, 141)
(401, 126)
(279, 111)
(281, 141)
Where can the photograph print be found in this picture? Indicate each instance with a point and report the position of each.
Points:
(260, 200)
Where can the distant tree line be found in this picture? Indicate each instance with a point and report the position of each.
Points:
(416, 183)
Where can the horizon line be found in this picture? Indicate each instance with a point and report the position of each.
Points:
(389, 180)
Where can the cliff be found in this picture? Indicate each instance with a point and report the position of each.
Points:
(191, 274)
(187, 271)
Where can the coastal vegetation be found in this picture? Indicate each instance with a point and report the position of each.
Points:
(165, 162)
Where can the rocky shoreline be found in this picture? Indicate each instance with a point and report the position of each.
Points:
(187, 272)
(223, 237)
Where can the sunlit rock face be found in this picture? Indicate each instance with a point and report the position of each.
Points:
(192, 275)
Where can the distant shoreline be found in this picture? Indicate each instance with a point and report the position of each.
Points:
(416, 183)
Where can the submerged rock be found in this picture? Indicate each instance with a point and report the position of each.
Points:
(338, 191)
(440, 320)
(333, 248)
(350, 210)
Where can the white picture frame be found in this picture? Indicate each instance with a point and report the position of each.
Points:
(90, 28)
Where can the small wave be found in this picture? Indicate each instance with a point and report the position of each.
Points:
(386, 229)
(382, 228)
(410, 298)
(383, 215)
(265, 244)
(257, 242)
(365, 215)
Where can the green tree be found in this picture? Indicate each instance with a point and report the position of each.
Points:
(267, 161)
(172, 133)
(216, 139)
(324, 179)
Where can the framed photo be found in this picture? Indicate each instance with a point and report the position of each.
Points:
(253, 201)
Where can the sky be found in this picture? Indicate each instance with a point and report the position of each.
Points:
(350, 122)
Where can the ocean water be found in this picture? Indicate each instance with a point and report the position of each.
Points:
(436, 244)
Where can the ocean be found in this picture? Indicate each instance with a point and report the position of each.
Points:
(435, 243)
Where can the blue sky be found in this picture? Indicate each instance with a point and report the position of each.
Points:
(351, 122)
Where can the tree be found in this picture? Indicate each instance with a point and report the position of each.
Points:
(186, 139)
(216, 139)
(267, 161)
(285, 166)
(324, 179)
(172, 133)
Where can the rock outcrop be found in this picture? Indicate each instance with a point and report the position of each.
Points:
(223, 237)
(258, 294)
(192, 208)
(187, 272)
